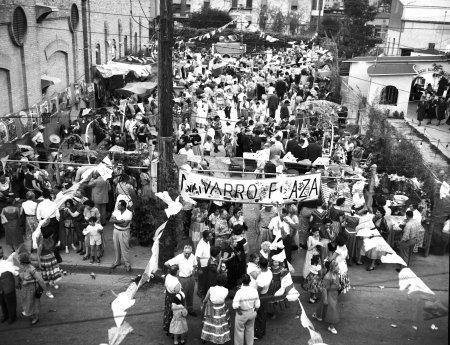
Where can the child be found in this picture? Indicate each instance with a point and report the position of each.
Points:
(207, 146)
(95, 237)
(313, 283)
(178, 325)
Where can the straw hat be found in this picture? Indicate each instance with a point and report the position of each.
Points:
(54, 139)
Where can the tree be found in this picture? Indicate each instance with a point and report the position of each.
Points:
(209, 18)
(294, 20)
(263, 17)
(278, 21)
(357, 35)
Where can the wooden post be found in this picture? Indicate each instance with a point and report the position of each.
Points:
(165, 94)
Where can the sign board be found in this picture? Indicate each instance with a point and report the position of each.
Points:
(287, 189)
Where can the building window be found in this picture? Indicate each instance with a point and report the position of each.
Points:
(6, 107)
(431, 45)
(74, 19)
(135, 43)
(125, 45)
(294, 8)
(249, 4)
(206, 4)
(98, 55)
(234, 3)
(19, 26)
(389, 95)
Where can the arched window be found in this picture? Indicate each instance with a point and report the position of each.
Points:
(125, 45)
(135, 43)
(98, 55)
(389, 95)
(113, 49)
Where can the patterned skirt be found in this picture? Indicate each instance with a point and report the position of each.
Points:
(313, 283)
(344, 283)
(50, 268)
(216, 328)
(31, 224)
(168, 314)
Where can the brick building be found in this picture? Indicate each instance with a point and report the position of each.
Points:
(47, 50)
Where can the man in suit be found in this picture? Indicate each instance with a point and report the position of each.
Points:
(8, 300)
(272, 104)
(280, 88)
(292, 143)
(314, 150)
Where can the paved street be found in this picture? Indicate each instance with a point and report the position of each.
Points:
(81, 314)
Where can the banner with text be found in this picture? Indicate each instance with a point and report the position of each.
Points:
(286, 189)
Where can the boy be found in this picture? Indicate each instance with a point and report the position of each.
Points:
(95, 237)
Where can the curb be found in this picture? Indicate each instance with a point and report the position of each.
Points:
(122, 271)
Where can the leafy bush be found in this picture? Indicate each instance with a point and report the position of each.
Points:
(209, 18)
(148, 216)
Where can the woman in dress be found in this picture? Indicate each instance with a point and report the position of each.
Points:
(421, 110)
(216, 327)
(276, 303)
(381, 225)
(29, 212)
(29, 279)
(294, 223)
(69, 225)
(173, 286)
(237, 218)
(198, 219)
(51, 273)
(336, 212)
(238, 265)
(327, 309)
(317, 219)
(312, 243)
(221, 229)
(213, 267)
(10, 218)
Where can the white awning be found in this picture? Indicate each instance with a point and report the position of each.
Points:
(119, 68)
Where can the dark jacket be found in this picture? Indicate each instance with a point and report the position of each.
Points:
(272, 102)
(314, 151)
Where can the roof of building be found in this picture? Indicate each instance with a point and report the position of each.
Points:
(391, 69)
(427, 3)
(399, 59)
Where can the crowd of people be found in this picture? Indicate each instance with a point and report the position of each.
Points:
(245, 105)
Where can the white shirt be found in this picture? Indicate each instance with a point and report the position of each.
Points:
(38, 138)
(188, 152)
(203, 252)
(252, 267)
(29, 207)
(417, 216)
(126, 215)
(263, 281)
(217, 294)
(276, 224)
(246, 298)
(47, 209)
(172, 284)
(185, 266)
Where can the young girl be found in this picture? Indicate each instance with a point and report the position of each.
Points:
(207, 146)
(178, 325)
(95, 238)
(313, 283)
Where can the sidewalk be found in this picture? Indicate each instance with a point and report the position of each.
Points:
(73, 262)
(433, 133)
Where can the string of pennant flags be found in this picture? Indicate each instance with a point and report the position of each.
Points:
(263, 35)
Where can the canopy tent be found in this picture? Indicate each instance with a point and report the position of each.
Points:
(138, 88)
(118, 68)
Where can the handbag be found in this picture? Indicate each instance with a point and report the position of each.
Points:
(38, 290)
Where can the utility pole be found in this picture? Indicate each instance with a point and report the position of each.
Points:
(165, 97)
